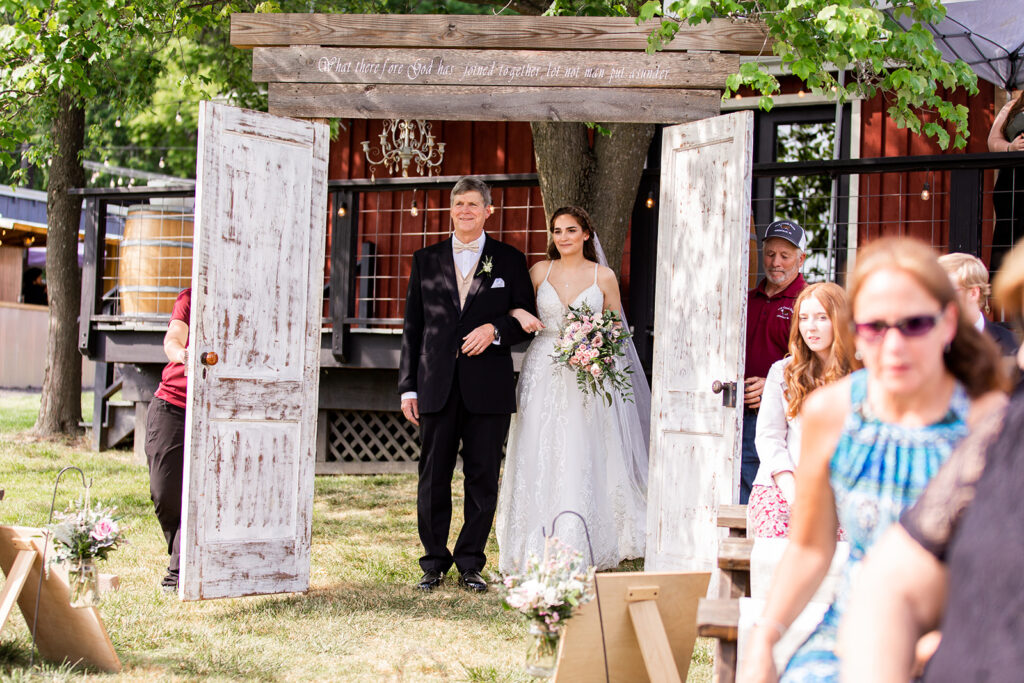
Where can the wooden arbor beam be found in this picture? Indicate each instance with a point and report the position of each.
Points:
(534, 68)
(472, 31)
(451, 103)
(486, 68)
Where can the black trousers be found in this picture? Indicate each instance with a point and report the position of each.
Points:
(482, 437)
(165, 453)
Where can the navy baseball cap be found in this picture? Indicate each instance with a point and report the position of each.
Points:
(789, 231)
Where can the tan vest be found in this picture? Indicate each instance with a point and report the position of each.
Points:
(464, 283)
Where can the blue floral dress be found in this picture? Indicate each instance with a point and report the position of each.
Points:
(877, 470)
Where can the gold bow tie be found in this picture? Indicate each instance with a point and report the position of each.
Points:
(461, 247)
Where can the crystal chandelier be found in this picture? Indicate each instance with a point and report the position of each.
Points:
(403, 141)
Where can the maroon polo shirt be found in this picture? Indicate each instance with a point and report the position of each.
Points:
(769, 319)
(173, 381)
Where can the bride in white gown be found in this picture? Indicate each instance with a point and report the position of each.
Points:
(568, 450)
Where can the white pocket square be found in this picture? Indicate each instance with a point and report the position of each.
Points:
(498, 283)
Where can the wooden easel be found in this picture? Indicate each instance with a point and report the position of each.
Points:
(649, 622)
(63, 633)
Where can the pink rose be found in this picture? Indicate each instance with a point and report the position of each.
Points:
(595, 370)
(103, 529)
(598, 339)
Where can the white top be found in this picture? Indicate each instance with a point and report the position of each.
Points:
(777, 438)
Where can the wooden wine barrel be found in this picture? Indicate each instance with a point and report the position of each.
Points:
(156, 259)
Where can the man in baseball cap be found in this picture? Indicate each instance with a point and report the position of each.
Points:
(769, 318)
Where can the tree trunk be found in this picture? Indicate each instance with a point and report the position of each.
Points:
(601, 175)
(60, 410)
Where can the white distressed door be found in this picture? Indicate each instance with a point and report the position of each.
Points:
(250, 431)
(699, 322)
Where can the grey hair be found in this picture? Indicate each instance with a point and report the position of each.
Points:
(471, 183)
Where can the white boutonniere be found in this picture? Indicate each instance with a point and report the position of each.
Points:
(486, 267)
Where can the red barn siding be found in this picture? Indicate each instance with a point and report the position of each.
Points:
(891, 202)
(472, 147)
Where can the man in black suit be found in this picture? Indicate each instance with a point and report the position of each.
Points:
(457, 380)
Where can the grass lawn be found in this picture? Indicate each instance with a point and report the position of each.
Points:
(360, 621)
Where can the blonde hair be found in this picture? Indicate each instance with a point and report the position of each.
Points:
(972, 357)
(806, 372)
(969, 272)
(1009, 284)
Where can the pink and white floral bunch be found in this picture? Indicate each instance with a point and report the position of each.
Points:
(550, 588)
(589, 344)
(84, 532)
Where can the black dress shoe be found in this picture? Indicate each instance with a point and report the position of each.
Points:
(431, 580)
(472, 580)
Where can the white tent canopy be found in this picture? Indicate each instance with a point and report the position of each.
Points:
(986, 34)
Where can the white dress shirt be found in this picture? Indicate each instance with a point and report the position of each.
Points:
(464, 262)
(777, 438)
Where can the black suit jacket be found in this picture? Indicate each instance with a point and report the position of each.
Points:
(431, 360)
(1003, 337)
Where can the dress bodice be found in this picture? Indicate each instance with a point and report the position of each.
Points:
(552, 312)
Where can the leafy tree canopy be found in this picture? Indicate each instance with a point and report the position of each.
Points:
(877, 53)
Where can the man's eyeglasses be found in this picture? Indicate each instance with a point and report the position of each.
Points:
(912, 326)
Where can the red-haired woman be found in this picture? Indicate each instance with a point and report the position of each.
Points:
(821, 352)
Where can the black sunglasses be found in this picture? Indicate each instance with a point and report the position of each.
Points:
(912, 326)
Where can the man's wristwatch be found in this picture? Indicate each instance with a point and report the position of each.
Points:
(497, 335)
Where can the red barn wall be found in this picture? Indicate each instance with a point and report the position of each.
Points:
(891, 203)
(472, 148)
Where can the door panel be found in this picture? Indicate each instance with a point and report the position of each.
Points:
(700, 321)
(250, 434)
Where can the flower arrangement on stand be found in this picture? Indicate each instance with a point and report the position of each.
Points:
(547, 593)
(81, 535)
(589, 344)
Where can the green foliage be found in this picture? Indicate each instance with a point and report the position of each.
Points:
(812, 36)
(806, 198)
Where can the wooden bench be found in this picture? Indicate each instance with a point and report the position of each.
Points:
(719, 618)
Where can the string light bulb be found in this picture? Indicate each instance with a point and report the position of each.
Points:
(414, 211)
(926, 191)
(650, 200)
(177, 117)
(117, 122)
(342, 211)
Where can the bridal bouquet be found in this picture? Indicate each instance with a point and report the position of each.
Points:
(588, 344)
(547, 593)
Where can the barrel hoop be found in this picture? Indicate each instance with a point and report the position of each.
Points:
(179, 244)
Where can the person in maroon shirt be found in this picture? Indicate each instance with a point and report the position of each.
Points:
(769, 318)
(165, 434)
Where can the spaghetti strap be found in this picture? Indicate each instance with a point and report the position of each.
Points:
(550, 263)
(596, 266)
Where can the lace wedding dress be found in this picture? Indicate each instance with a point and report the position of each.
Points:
(568, 451)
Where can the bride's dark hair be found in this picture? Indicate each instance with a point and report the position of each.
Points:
(583, 218)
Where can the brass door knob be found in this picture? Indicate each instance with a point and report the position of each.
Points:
(208, 358)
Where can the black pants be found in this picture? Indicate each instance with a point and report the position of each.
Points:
(165, 452)
(482, 437)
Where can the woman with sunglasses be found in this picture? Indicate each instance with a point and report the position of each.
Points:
(820, 352)
(954, 560)
(872, 441)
